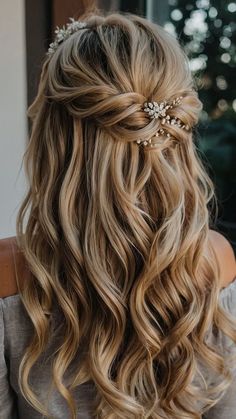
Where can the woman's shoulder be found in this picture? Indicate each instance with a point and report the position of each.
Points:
(12, 264)
(225, 257)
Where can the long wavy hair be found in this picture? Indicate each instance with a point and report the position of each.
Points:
(116, 234)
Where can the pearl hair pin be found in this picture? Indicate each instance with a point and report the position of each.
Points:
(153, 109)
(65, 32)
(160, 110)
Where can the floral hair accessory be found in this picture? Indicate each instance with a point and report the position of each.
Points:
(65, 32)
(160, 110)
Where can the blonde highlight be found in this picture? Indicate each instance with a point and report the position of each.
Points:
(116, 234)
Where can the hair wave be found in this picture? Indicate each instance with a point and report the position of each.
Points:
(116, 234)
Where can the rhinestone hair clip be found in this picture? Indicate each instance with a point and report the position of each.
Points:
(160, 110)
(65, 32)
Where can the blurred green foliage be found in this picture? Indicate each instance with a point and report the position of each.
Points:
(207, 31)
(216, 140)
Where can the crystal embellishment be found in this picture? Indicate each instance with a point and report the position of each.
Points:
(156, 110)
(160, 110)
(64, 33)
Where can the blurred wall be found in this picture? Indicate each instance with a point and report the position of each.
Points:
(12, 111)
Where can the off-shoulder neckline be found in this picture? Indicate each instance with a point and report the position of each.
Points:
(232, 284)
(13, 296)
(18, 297)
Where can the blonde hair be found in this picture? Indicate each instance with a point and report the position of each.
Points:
(116, 234)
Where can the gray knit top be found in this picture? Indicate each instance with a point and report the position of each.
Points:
(16, 328)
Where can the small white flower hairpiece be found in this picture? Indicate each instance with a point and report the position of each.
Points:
(160, 110)
(65, 32)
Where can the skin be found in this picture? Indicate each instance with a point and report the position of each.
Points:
(225, 256)
(8, 286)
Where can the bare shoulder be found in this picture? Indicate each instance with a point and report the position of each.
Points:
(10, 258)
(225, 256)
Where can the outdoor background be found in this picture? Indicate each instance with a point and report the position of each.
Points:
(205, 28)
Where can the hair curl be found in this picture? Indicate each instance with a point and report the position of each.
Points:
(116, 234)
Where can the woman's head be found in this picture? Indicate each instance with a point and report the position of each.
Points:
(89, 114)
(104, 72)
(116, 231)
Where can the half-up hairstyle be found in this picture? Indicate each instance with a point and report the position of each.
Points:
(115, 233)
